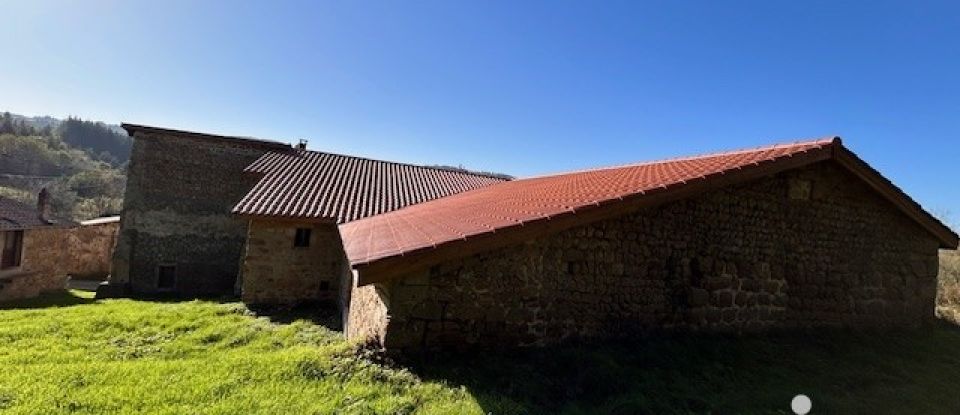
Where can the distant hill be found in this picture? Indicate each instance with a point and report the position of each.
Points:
(81, 163)
(104, 142)
(39, 122)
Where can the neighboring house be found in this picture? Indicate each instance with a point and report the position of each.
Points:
(33, 244)
(199, 208)
(792, 235)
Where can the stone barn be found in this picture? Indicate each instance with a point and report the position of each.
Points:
(787, 236)
(176, 231)
(206, 214)
(294, 253)
(791, 235)
(32, 249)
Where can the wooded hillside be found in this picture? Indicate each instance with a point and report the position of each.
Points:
(81, 163)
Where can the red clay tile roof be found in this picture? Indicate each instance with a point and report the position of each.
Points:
(19, 216)
(518, 204)
(315, 185)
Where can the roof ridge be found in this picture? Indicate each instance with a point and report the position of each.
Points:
(130, 128)
(832, 139)
(400, 163)
(822, 141)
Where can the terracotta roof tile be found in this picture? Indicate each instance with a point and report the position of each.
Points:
(519, 202)
(317, 185)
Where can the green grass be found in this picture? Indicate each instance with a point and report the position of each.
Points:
(70, 354)
(125, 356)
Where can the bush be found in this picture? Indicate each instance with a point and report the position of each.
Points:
(948, 283)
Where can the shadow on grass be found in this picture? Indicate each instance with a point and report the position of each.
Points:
(61, 298)
(179, 298)
(865, 372)
(321, 313)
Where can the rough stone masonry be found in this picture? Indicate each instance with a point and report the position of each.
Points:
(176, 217)
(808, 247)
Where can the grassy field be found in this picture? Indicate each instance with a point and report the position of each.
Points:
(70, 354)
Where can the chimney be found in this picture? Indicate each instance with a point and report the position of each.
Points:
(302, 145)
(43, 205)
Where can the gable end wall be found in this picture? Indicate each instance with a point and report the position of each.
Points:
(177, 211)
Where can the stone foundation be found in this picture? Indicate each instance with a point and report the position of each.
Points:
(806, 248)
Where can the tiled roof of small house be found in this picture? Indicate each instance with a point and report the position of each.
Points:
(307, 184)
(487, 215)
(15, 216)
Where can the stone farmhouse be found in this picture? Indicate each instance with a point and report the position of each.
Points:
(791, 235)
(39, 251)
(33, 243)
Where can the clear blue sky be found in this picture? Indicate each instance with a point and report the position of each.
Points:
(519, 87)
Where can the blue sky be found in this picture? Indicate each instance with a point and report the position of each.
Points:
(518, 87)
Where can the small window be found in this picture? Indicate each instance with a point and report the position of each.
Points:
(324, 285)
(800, 189)
(166, 277)
(12, 244)
(302, 238)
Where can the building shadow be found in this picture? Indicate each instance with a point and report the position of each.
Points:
(179, 298)
(60, 298)
(843, 372)
(324, 313)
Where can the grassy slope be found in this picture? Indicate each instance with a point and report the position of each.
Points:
(203, 357)
(124, 356)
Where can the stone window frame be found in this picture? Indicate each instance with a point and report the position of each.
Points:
(17, 249)
(173, 283)
(302, 237)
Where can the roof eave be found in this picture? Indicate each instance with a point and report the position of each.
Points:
(848, 159)
(381, 269)
(281, 218)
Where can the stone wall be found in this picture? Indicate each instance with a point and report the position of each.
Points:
(90, 249)
(43, 265)
(20, 286)
(368, 315)
(276, 272)
(180, 192)
(805, 248)
(45, 253)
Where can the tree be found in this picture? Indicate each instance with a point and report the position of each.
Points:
(6, 123)
(95, 138)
